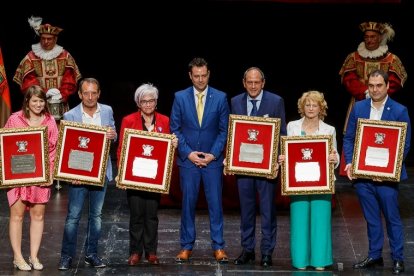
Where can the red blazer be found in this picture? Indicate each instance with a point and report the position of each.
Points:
(134, 121)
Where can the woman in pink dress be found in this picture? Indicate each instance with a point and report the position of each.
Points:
(34, 113)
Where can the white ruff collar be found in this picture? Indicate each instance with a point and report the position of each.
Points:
(47, 55)
(365, 53)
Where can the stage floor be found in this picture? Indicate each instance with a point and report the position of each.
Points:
(348, 227)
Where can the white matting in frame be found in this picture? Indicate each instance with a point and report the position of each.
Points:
(146, 161)
(306, 169)
(379, 150)
(24, 156)
(82, 153)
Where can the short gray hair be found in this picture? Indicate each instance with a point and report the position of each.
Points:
(145, 89)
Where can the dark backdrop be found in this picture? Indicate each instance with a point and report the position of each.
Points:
(298, 46)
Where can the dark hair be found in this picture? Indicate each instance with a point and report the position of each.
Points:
(197, 62)
(379, 72)
(254, 68)
(34, 90)
(89, 80)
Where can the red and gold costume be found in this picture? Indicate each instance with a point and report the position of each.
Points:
(358, 65)
(355, 70)
(60, 72)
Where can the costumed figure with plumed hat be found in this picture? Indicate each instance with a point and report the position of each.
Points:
(50, 66)
(372, 54)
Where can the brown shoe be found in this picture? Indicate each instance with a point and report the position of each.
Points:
(152, 259)
(183, 256)
(221, 256)
(134, 259)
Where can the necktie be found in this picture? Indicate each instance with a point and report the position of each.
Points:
(200, 107)
(254, 109)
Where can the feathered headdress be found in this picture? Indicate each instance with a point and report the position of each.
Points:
(34, 22)
(385, 29)
(388, 34)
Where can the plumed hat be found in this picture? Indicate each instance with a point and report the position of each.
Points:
(385, 29)
(39, 28)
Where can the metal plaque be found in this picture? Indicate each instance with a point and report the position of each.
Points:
(81, 160)
(23, 163)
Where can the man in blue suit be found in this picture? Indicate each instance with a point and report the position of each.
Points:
(88, 112)
(257, 102)
(376, 196)
(199, 119)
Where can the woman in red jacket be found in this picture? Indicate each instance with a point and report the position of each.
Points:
(143, 206)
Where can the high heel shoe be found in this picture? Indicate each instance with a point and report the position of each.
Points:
(35, 263)
(21, 265)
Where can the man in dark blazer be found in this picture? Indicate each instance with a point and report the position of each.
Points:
(376, 196)
(257, 102)
(199, 119)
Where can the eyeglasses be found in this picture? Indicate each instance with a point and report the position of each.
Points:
(144, 102)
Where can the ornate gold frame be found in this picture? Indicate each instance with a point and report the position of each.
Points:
(42, 130)
(286, 184)
(401, 127)
(99, 178)
(270, 171)
(162, 186)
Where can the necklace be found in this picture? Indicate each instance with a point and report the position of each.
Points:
(37, 119)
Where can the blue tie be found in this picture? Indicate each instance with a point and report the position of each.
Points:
(254, 109)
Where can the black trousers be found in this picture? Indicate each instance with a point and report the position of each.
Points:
(143, 221)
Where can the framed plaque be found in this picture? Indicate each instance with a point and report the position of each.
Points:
(252, 146)
(146, 161)
(379, 149)
(24, 156)
(306, 169)
(82, 153)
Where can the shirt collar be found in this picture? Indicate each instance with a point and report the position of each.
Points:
(382, 104)
(204, 92)
(259, 97)
(98, 109)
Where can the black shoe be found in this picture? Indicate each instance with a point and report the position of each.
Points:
(369, 262)
(65, 263)
(398, 267)
(266, 260)
(244, 258)
(94, 261)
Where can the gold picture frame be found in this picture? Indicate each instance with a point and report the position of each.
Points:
(306, 169)
(146, 161)
(24, 156)
(82, 153)
(252, 146)
(379, 150)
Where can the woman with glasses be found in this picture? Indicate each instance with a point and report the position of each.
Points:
(143, 206)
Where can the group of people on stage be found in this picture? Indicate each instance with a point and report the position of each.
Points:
(48, 75)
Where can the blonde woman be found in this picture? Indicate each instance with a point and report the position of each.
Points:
(310, 215)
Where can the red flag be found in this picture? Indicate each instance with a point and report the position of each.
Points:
(5, 103)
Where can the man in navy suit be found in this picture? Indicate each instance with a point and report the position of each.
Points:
(199, 119)
(89, 111)
(257, 102)
(376, 196)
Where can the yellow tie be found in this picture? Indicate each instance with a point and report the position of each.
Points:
(200, 107)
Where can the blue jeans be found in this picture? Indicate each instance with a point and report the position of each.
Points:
(77, 196)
